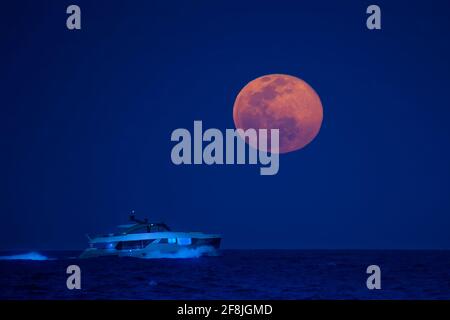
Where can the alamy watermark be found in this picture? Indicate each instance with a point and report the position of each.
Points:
(74, 279)
(234, 151)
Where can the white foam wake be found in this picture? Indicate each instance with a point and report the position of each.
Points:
(25, 256)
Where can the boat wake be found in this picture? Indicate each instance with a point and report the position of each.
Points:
(185, 253)
(26, 256)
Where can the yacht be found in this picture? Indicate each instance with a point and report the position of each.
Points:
(144, 239)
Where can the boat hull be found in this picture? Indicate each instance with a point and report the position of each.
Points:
(200, 246)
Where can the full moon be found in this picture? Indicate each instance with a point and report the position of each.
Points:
(283, 102)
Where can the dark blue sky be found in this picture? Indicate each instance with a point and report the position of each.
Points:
(86, 118)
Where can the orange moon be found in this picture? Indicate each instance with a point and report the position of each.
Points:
(283, 102)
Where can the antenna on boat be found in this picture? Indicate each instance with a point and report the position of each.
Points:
(132, 216)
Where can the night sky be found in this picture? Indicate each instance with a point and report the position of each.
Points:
(86, 118)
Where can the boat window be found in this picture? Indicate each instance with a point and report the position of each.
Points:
(137, 244)
(184, 241)
(168, 240)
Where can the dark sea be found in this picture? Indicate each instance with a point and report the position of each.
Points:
(233, 274)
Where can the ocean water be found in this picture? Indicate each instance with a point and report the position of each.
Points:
(233, 274)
